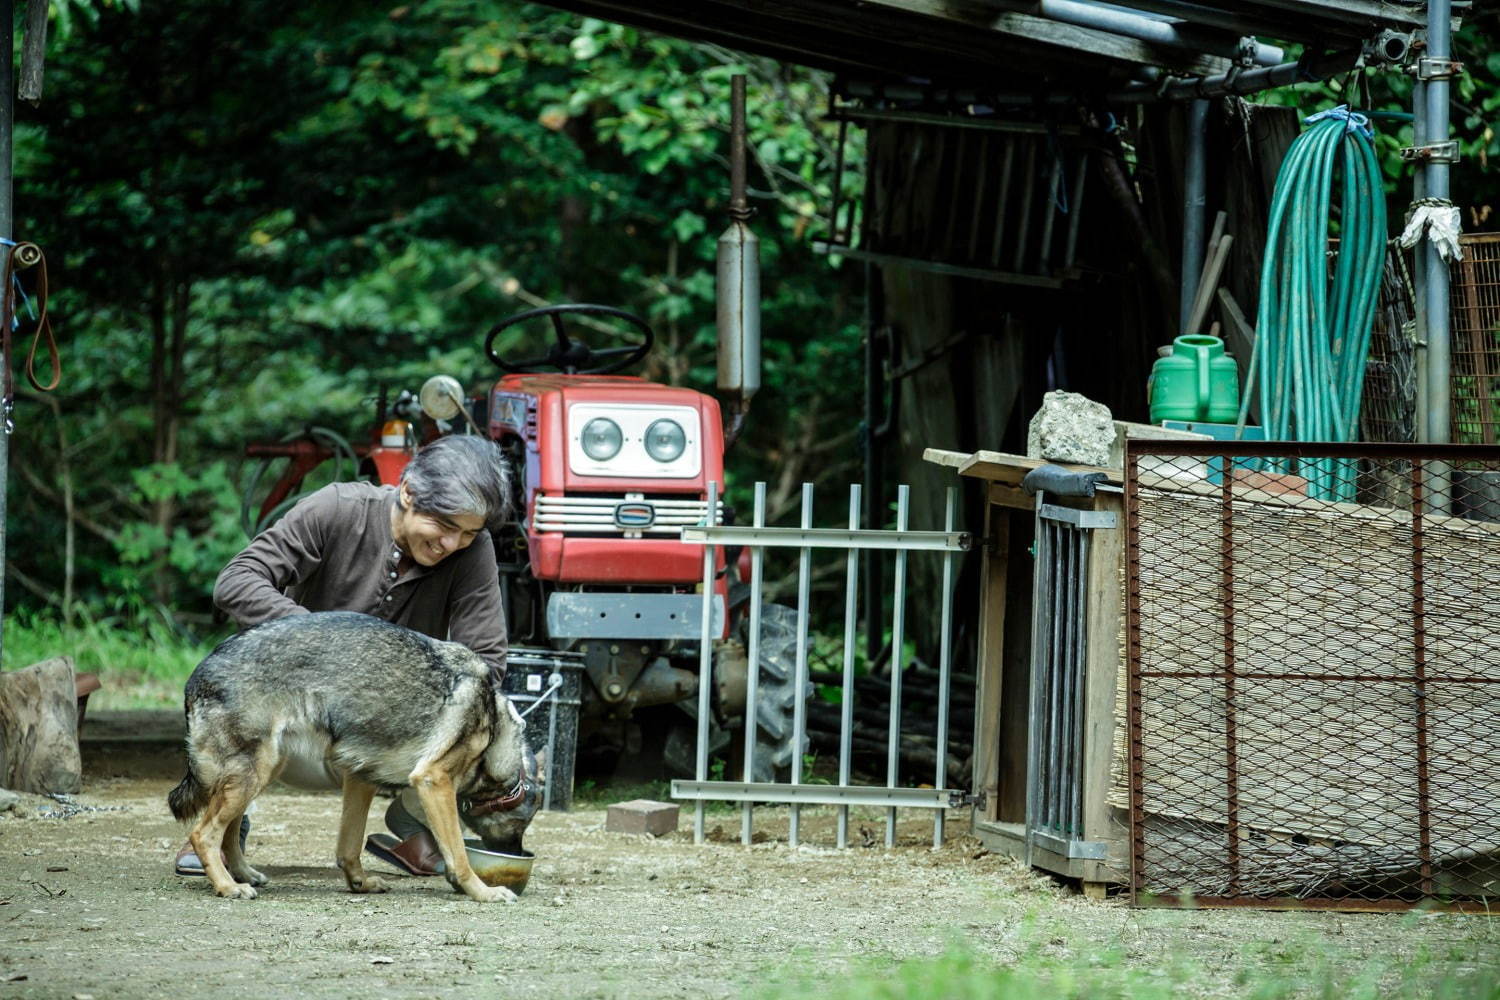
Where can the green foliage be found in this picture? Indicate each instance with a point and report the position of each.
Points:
(143, 658)
(262, 215)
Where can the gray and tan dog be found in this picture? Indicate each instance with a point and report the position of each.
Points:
(380, 705)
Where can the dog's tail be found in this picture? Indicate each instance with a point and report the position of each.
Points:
(188, 798)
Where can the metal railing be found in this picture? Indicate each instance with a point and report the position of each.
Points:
(1057, 704)
(1313, 684)
(797, 791)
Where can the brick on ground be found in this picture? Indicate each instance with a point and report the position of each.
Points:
(641, 816)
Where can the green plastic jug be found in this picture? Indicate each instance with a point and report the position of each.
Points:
(1197, 381)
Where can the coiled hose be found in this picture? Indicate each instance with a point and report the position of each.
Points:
(1313, 326)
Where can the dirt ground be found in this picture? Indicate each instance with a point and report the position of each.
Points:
(89, 908)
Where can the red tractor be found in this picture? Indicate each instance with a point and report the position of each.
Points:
(608, 468)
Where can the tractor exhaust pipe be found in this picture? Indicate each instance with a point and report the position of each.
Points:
(738, 285)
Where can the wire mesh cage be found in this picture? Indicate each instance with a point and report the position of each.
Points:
(1313, 676)
(1475, 313)
(1388, 410)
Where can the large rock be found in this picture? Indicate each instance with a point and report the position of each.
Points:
(1071, 428)
(39, 728)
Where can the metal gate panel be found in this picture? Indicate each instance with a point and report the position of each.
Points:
(1313, 674)
(806, 539)
(1059, 635)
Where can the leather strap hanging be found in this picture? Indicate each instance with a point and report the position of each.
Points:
(18, 257)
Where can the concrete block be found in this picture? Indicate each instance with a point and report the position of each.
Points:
(642, 816)
(1071, 428)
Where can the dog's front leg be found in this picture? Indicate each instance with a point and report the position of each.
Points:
(435, 790)
(357, 796)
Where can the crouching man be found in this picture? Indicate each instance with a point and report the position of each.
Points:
(418, 555)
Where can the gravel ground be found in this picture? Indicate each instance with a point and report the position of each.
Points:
(89, 908)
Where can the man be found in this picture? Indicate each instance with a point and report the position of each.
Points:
(405, 554)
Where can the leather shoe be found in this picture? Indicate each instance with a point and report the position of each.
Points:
(416, 855)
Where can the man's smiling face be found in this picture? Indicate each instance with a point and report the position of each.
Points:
(431, 538)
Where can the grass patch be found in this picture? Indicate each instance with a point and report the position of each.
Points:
(1310, 970)
(143, 664)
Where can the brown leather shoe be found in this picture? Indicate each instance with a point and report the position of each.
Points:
(416, 855)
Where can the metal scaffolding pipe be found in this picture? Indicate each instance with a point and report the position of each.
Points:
(1194, 197)
(1439, 353)
(1176, 34)
(1248, 82)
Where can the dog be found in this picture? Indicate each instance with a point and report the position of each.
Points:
(380, 706)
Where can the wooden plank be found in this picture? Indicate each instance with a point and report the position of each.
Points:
(989, 683)
(1005, 495)
(948, 459)
(1208, 282)
(1239, 340)
(1106, 610)
(1006, 468)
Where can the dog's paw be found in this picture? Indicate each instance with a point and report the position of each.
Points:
(370, 883)
(238, 890)
(492, 894)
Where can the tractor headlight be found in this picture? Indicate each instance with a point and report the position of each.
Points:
(601, 439)
(665, 440)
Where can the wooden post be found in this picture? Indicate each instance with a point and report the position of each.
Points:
(991, 670)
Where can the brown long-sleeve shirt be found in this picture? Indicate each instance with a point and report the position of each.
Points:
(334, 551)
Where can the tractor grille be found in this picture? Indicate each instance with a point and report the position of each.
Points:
(619, 515)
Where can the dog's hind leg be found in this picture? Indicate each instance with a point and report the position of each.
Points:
(228, 800)
(234, 855)
(357, 796)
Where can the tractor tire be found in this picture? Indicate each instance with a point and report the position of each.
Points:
(776, 693)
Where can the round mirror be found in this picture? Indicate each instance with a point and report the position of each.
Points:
(441, 397)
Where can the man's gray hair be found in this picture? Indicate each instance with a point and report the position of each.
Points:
(460, 474)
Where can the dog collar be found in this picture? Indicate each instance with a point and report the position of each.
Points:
(500, 803)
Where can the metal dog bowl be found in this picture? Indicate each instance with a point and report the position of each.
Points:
(512, 871)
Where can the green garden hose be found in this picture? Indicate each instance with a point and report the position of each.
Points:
(1313, 325)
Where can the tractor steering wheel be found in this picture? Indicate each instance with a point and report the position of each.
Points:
(573, 357)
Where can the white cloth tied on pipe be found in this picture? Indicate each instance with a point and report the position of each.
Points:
(1439, 219)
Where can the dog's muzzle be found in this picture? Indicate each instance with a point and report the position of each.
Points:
(501, 803)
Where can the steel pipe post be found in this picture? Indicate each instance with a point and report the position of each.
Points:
(752, 654)
(705, 661)
(940, 780)
(1194, 197)
(846, 704)
(898, 639)
(1439, 355)
(799, 681)
(1419, 262)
